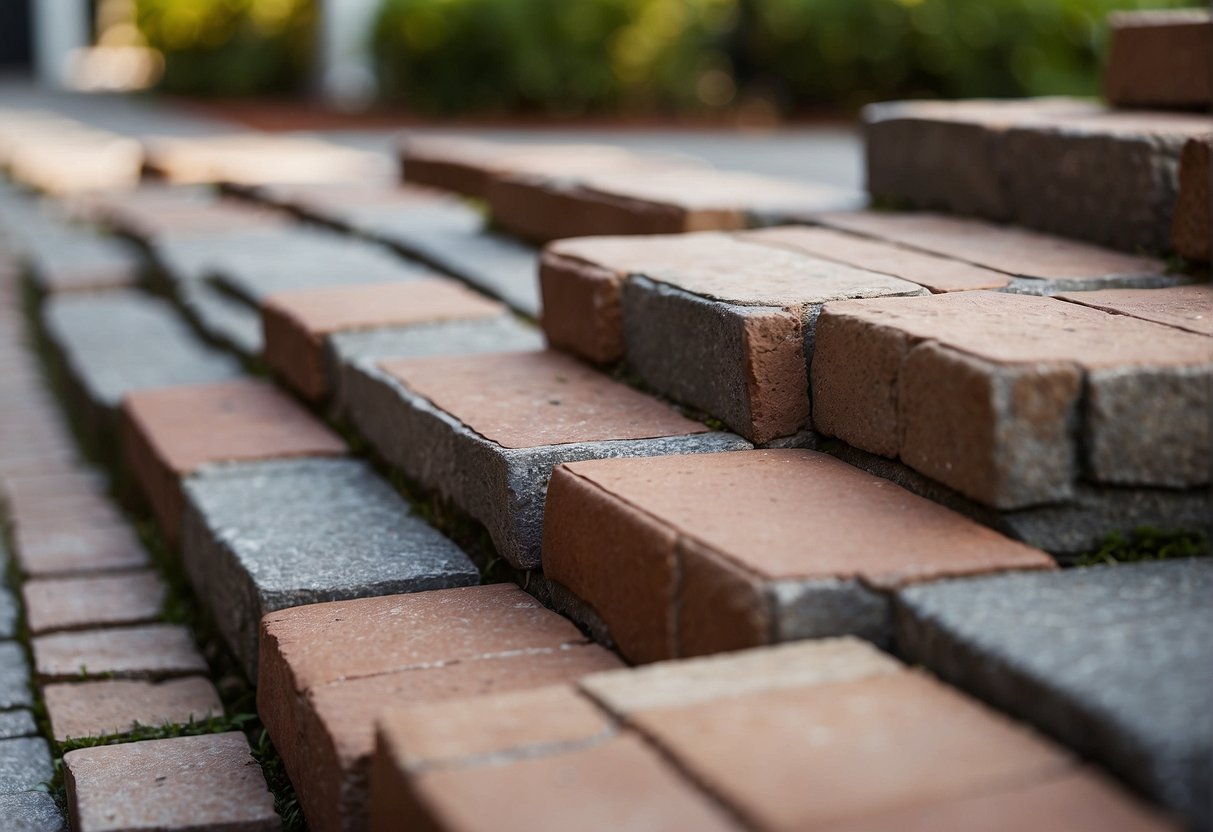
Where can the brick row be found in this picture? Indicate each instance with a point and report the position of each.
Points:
(1063, 166)
(836, 735)
(255, 158)
(59, 155)
(1160, 59)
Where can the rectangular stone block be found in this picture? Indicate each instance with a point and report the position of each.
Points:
(261, 537)
(688, 555)
(721, 324)
(1160, 59)
(25, 764)
(148, 651)
(296, 324)
(96, 601)
(170, 433)
(987, 394)
(1192, 227)
(15, 689)
(324, 681)
(97, 709)
(1114, 661)
(484, 431)
(1182, 307)
(67, 546)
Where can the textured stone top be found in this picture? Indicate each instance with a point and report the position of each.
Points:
(1185, 307)
(802, 514)
(713, 190)
(1010, 328)
(1015, 251)
(340, 308)
(529, 399)
(939, 274)
(236, 420)
(724, 268)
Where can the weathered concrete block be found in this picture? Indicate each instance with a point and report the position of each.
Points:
(1115, 661)
(686, 555)
(25, 764)
(32, 812)
(485, 431)
(261, 537)
(1160, 59)
(14, 677)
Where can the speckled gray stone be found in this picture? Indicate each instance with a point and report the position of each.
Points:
(14, 676)
(25, 763)
(31, 812)
(500, 334)
(260, 537)
(503, 488)
(1116, 661)
(18, 723)
(117, 342)
(64, 257)
(221, 317)
(9, 610)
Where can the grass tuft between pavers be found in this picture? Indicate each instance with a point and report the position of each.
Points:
(1147, 544)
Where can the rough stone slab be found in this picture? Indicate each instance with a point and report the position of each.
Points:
(346, 351)
(1061, 166)
(171, 432)
(147, 651)
(32, 812)
(329, 670)
(95, 601)
(47, 548)
(688, 555)
(1114, 661)
(485, 431)
(262, 537)
(1045, 264)
(25, 764)
(1192, 228)
(96, 709)
(722, 324)
(208, 782)
(18, 723)
(981, 392)
(657, 200)
(14, 676)
(222, 318)
(938, 274)
(1160, 59)
(119, 342)
(1183, 307)
(10, 613)
(296, 323)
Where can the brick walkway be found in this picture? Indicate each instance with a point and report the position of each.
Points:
(331, 505)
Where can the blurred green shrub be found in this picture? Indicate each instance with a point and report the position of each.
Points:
(573, 56)
(229, 47)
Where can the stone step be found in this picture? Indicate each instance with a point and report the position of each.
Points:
(663, 200)
(722, 324)
(261, 537)
(208, 783)
(1064, 166)
(1012, 400)
(171, 433)
(686, 555)
(836, 735)
(298, 324)
(1192, 230)
(1115, 661)
(434, 228)
(115, 343)
(484, 431)
(328, 670)
(1160, 59)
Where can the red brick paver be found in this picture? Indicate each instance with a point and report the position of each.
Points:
(170, 432)
(1192, 226)
(1160, 59)
(147, 651)
(1183, 307)
(93, 709)
(683, 555)
(295, 323)
(76, 603)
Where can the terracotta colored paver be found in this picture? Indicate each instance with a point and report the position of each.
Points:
(685, 555)
(208, 782)
(295, 323)
(529, 399)
(76, 603)
(147, 651)
(716, 322)
(1013, 251)
(981, 392)
(171, 432)
(939, 274)
(1183, 307)
(1192, 227)
(1160, 59)
(329, 670)
(93, 709)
